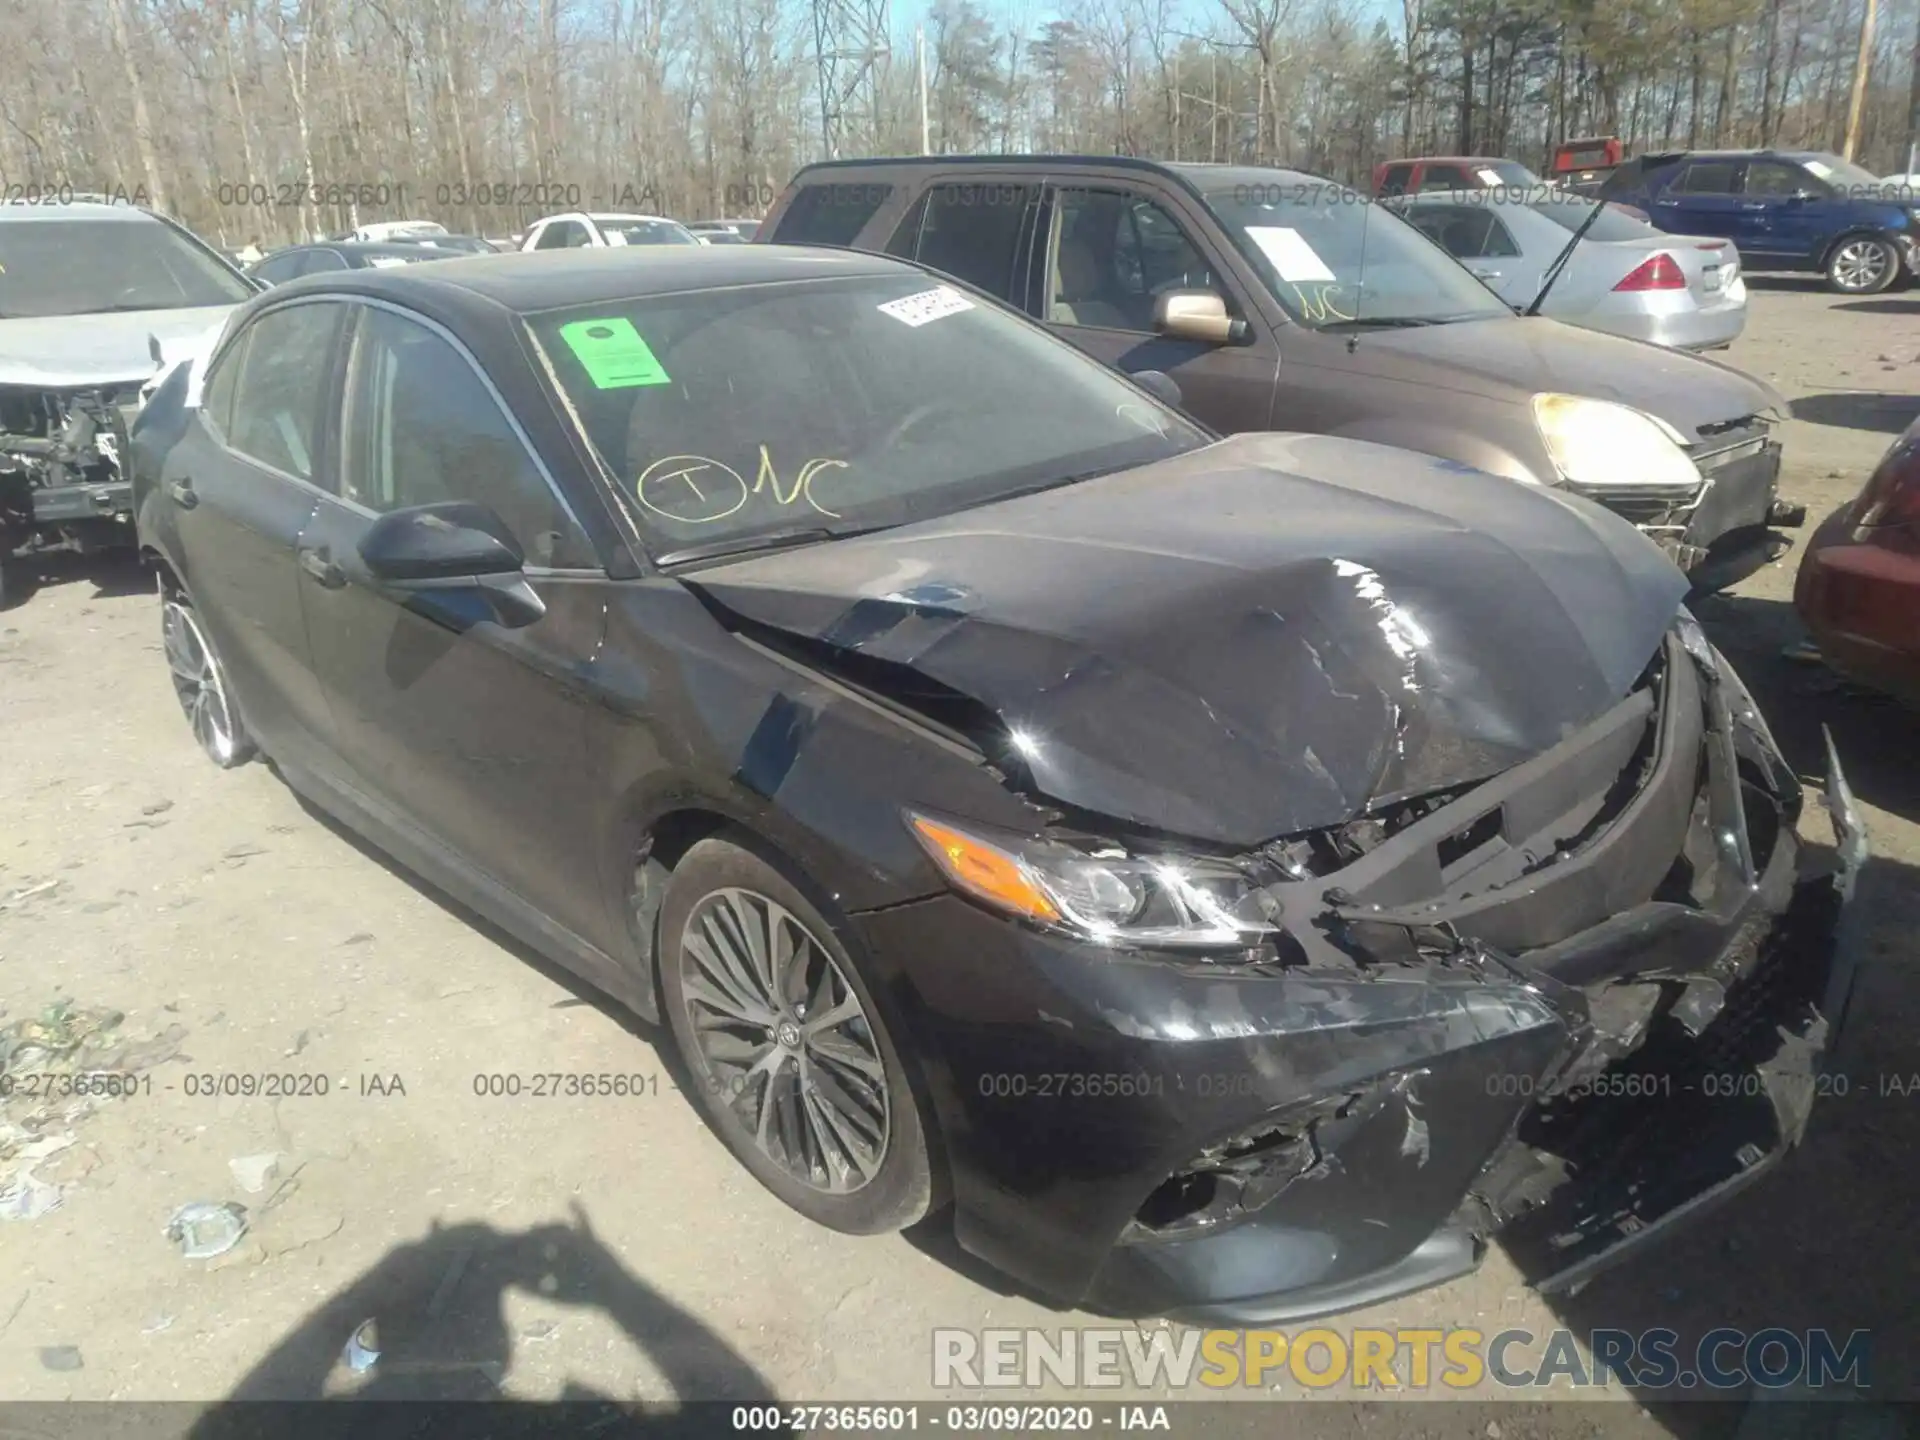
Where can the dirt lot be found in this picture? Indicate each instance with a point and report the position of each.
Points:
(551, 1246)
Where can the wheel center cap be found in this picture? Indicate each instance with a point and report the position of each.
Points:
(788, 1034)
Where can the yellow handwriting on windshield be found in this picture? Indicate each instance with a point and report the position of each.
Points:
(769, 479)
(698, 490)
(1317, 303)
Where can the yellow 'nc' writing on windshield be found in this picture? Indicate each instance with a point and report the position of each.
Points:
(769, 479)
(1319, 307)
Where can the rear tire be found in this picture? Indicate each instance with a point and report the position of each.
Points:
(201, 686)
(1862, 265)
(787, 1054)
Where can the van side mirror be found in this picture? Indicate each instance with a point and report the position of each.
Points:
(1197, 315)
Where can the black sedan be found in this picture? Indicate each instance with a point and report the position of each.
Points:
(322, 258)
(1237, 876)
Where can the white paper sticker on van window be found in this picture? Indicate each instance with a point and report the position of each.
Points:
(917, 310)
(1296, 260)
(1490, 177)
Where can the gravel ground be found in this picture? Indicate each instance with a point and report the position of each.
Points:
(553, 1247)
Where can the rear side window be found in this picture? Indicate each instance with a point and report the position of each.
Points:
(281, 386)
(1466, 232)
(1447, 177)
(973, 232)
(1707, 177)
(831, 213)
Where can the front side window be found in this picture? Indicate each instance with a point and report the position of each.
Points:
(561, 235)
(1113, 254)
(1771, 178)
(1334, 259)
(97, 267)
(278, 269)
(422, 429)
(281, 387)
(727, 416)
(1394, 180)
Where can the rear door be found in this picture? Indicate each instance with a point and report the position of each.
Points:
(1702, 197)
(240, 485)
(979, 230)
(1108, 248)
(473, 733)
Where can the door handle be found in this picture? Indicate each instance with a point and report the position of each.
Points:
(319, 564)
(181, 493)
(1757, 205)
(1483, 273)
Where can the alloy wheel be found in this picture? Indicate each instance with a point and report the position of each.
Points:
(1860, 265)
(786, 1044)
(198, 683)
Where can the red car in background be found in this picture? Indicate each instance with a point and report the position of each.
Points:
(1858, 589)
(1448, 172)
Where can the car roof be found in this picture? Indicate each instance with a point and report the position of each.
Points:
(361, 247)
(1197, 174)
(530, 281)
(14, 212)
(1451, 160)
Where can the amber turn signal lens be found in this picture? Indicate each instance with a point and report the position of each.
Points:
(984, 870)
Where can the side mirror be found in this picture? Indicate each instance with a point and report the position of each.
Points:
(1197, 315)
(1157, 383)
(456, 561)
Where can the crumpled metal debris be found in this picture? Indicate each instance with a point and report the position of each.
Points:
(26, 1196)
(204, 1230)
(252, 1173)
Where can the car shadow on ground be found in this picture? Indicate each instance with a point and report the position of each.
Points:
(1821, 1242)
(440, 1331)
(112, 573)
(1908, 304)
(1887, 413)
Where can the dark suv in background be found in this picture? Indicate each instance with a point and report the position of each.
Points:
(1277, 300)
(1785, 209)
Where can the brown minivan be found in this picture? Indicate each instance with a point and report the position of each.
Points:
(1281, 301)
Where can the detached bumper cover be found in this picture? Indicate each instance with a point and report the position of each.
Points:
(1272, 1141)
(64, 504)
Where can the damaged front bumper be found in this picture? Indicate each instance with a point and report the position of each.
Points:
(63, 482)
(1576, 1024)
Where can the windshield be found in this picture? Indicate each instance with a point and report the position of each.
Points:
(1841, 174)
(646, 232)
(1333, 257)
(837, 405)
(1570, 212)
(89, 267)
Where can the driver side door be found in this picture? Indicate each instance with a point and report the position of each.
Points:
(467, 732)
(1109, 251)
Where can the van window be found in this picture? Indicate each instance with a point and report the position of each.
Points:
(830, 213)
(972, 232)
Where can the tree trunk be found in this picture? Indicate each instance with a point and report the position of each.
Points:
(142, 121)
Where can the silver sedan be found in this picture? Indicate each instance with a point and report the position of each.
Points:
(1626, 278)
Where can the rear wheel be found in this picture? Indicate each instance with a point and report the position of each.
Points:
(787, 1054)
(200, 684)
(1862, 265)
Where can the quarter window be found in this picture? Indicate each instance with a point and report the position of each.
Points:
(423, 429)
(831, 213)
(281, 387)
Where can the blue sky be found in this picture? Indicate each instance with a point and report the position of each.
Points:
(1196, 15)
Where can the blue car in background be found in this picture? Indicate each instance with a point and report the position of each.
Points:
(1784, 210)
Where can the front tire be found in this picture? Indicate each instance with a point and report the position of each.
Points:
(1862, 265)
(201, 686)
(786, 1052)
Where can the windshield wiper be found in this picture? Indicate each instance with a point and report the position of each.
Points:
(1385, 322)
(764, 541)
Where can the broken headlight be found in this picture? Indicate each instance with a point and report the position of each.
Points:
(1105, 895)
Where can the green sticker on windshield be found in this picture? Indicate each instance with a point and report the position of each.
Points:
(613, 353)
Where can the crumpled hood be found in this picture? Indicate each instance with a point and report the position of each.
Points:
(1534, 353)
(64, 352)
(1258, 638)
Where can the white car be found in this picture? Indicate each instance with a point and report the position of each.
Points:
(581, 231)
(97, 301)
(1908, 186)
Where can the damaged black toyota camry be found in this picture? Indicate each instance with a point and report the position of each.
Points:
(1233, 878)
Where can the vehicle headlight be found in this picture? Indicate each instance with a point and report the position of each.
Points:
(1105, 895)
(1599, 443)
